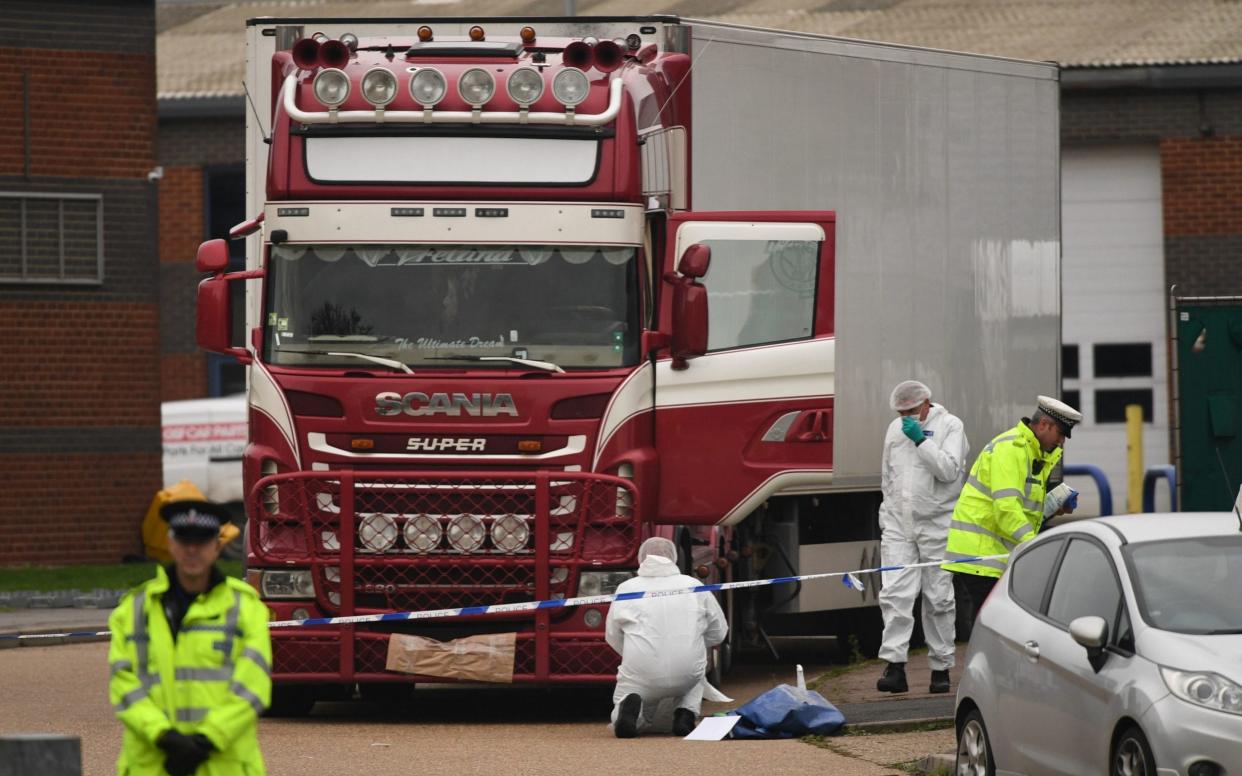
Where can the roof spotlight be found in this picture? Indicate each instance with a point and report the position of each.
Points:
(476, 33)
(528, 35)
(570, 87)
(350, 40)
(331, 87)
(424, 33)
(427, 86)
(476, 86)
(525, 86)
(379, 86)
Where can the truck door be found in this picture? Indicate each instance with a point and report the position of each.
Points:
(751, 417)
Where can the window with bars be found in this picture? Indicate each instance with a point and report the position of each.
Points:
(51, 238)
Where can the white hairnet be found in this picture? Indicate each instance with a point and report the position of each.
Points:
(658, 546)
(908, 395)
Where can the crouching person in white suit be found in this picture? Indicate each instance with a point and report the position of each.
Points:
(663, 644)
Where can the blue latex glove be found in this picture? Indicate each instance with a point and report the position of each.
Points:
(912, 428)
(1071, 503)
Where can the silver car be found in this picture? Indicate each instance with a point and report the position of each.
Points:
(1111, 645)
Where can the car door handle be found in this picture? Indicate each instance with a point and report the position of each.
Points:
(1031, 648)
(813, 426)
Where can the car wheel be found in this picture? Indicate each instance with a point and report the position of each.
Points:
(1132, 755)
(974, 749)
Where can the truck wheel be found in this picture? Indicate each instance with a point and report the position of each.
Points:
(394, 693)
(295, 700)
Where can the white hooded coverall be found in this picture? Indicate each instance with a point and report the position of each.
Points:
(920, 485)
(663, 642)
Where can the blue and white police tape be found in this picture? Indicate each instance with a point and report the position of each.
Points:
(851, 579)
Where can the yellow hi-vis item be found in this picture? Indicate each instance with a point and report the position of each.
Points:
(214, 679)
(1002, 502)
(155, 530)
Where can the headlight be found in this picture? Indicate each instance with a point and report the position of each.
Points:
(601, 582)
(525, 86)
(331, 87)
(427, 86)
(379, 86)
(570, 87)
(476, 86)
(1204, 688)
(423, 533)
(287, 584)
(509, 533)
(466, 533)
(377, 532)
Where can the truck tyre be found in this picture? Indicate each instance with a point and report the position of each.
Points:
(291, 700)
(387, 693)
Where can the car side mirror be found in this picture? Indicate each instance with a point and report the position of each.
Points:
(1092, 633)
(689, 337)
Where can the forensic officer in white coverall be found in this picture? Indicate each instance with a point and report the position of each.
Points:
(923, 468)
(663, 644)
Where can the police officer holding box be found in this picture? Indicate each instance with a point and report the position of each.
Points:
(190, 659)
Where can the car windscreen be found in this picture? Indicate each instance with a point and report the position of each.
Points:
(1189, 585)
(448, 305)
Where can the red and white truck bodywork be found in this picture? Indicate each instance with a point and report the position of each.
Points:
(490, 354)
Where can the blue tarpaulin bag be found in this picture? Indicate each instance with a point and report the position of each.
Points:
(787, 712)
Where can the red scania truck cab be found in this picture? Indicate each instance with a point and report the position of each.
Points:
(491, 347)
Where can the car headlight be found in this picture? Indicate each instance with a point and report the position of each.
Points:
(377, 532)
(509, 533)
(466, 533)
(591, 583)
(1204, 688)
(287, 584)
(423, 533)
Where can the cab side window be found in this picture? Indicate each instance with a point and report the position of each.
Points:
(1086, 584)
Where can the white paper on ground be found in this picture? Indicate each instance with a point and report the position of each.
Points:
(713, 728)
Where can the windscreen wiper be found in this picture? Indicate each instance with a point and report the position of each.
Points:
(388, 362)
(548, 365)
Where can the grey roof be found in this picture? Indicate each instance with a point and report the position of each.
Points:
(201, 45)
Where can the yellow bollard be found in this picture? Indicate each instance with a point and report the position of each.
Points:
(1134, 457)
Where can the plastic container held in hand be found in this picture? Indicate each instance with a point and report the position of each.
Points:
(1059, 497)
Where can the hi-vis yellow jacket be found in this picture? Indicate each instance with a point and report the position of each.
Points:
(215, 679)
(1002, 502)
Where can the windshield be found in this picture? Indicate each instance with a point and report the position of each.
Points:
(452, 306)
(1189, 585)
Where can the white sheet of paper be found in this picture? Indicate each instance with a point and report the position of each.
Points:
(712, 728)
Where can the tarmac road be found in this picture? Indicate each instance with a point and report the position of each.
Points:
(453, 731)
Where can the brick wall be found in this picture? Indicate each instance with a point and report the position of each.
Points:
(1200, 139)
(80, 384)
(181, 213)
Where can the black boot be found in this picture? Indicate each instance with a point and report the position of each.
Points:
(894, 679)
(626, 725)
(683, 722)
(939, 681)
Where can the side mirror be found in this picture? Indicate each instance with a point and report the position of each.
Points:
(214, 320)
(213, 256)
(1092, 633)
(689, 338)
